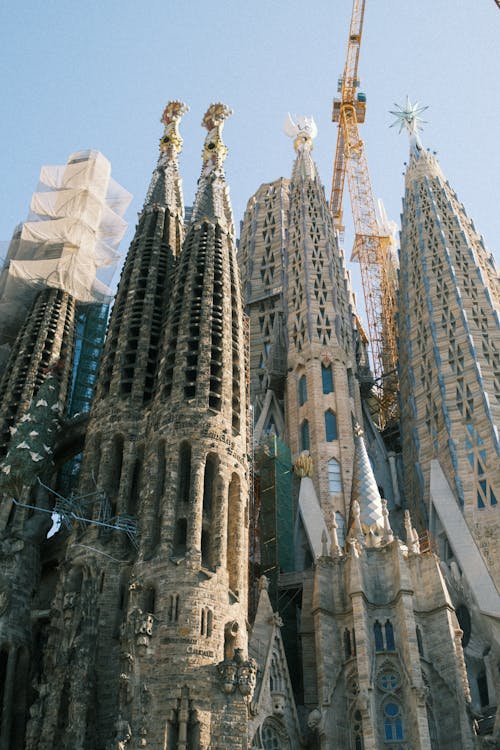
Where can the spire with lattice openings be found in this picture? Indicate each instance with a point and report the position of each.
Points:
(130, 356)
(449, 334)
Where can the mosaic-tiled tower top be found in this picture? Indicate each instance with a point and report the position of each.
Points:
(449, 349)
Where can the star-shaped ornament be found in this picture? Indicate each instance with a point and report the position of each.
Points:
(408, 116)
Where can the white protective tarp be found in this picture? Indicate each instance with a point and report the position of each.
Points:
(71, 239)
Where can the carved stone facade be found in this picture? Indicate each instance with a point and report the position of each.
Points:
(379, 642)
(129, 628)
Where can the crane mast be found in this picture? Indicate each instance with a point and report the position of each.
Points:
(371, 245)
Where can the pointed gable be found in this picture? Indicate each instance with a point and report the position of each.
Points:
(273, 705)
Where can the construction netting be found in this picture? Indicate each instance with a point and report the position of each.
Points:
(276, 521)
(70, 240)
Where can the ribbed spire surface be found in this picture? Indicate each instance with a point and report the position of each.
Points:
(364, 486)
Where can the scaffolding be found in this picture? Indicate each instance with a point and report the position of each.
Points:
(276, 517)
(89, 341)
(90, 334)
(70, 240)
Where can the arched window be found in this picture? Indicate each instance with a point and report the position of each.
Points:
(275, 682)
(334, 478)
(330, 426)
(302, 390)
(116, 473)
(184, 472)
(209, 496)
(155, 527)
(340, 527)
(327, 378)
(135, 484)
(393, 722)
(206, 623)
(379, 638)
(149, 600)
(347, 644)
(173, 608)
(389, 636)
(357, 730)
(272, 739)
(211, 466)
(304, 436)
(420, 642)
(180, 537)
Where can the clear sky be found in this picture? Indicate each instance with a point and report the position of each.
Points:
(97, 74)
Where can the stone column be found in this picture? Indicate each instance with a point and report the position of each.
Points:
(195, 517)
(394, 478)
(239, 546)
(220, 523)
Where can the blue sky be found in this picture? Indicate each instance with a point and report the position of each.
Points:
(97, 74)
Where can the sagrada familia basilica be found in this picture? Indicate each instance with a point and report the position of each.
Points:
(206, 540)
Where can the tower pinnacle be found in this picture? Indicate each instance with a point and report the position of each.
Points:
(365, 496)
(408, 116)
(303, 130)
(214, 150)
(165, 186)
(171, 141)
(212, 197)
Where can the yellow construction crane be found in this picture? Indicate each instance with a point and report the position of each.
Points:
(372, 244)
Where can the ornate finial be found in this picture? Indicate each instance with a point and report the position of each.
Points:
(324, 544)
(214, 150)
(303, 130)
(411, 534)
(358, 430)
(171, 141)
(335, 550)
(408, 116)
(263, 583)
(388, 534)
(303, 466)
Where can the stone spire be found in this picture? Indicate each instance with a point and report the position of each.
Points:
(449, 363)
(212, 199)
(365, 495)
(136, 323)
(455, 413)
(45, 340)
(320, 386)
